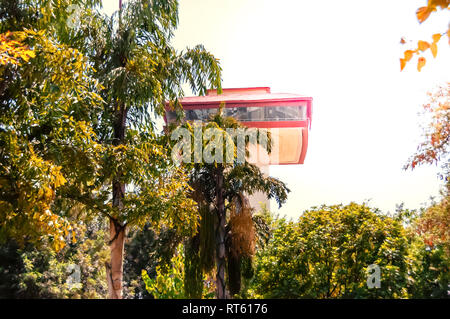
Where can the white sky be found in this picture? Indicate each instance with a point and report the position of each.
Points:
(345, 54)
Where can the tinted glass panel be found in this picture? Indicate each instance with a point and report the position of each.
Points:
(171, 116)
(249, 114)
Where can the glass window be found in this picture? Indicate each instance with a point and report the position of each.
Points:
(231, 111)
(194, 115)
(255, 113)
(273, 113)
(171, 116)
(241, 114)
(209, 112)
(291, 112)
(249, 114)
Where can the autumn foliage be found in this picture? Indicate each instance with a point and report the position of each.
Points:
(13, 50)
(435, 147)
(242, 230)
(422, 46)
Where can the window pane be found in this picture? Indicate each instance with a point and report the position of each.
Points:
(231, 111)
(251, 113)
(209, 112)
(241, 114)
(171, 116)
(193, 115)
(255, 113)
(290, 113)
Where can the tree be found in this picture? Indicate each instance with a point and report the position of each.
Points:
(433, 224)
(435, 147)
(429, 272)
(327, 252)
(146, 250)
(220, 182)
(39, 272)
(46, 102)
(428, 257)
(13, 51)
(138, 71)
(167, 285)
(422, 14)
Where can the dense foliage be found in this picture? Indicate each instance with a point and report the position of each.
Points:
(79, 101)
(326, 253)
(88, 187)
(28, 272)
(218, 187)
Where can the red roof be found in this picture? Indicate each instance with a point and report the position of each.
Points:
(236, 95)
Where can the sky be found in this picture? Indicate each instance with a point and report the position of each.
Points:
(345, 54)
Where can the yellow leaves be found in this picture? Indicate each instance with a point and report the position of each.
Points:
(423, 45)
(47, 194)
(12, 50)
(436, 37)
(402, 64)
(408, 55)
(35, 191)
(59, 180)
(433, 49)
(423, 13)
(421, 63)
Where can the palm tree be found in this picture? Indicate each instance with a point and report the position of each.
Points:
(218, 189)
(140, 70)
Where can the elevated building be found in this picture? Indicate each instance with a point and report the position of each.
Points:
(287, 116)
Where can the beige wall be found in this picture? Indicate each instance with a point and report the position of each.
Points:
(286, 148)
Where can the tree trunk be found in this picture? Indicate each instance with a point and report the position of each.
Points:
(116, 229)
(114, 270)
(220, 235)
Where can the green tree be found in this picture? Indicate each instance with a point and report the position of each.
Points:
(169, 281)
(140, 72)
(431, 229)
(326, 254)
(429, 274)
(219, 186)
(126, 175)
(40, 272)
(146, 250)
(46, 104)
(167, 284)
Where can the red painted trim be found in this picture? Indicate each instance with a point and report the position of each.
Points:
(309, 112)
(273, 124)
(251, 89)
(237, 103)
(304, 146)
